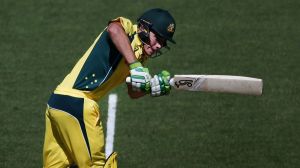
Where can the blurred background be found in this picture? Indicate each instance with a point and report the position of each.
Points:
(42, 40)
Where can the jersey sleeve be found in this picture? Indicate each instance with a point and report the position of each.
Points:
(126, 23)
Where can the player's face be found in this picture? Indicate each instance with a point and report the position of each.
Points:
(156, 43)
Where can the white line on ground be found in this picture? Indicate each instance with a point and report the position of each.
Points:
(112, 108)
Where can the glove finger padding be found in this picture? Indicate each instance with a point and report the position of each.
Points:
(155, 86)
(160, 84)
(140, 77)
(164, 84)
(137, 86)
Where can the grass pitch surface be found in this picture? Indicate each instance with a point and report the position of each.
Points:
(42, 40)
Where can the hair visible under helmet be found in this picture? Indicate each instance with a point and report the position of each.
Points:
(158, 21)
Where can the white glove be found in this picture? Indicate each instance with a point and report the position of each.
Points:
(140, 77)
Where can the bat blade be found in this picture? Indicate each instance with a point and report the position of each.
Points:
(218, 83)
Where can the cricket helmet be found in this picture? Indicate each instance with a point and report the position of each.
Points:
(160, 22)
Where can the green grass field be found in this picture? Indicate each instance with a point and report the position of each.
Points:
(42, 40)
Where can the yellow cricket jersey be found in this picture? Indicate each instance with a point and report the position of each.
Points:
(102, 67)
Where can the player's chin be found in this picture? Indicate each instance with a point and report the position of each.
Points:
(149, 52)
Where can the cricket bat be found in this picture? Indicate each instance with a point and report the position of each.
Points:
(218, 84)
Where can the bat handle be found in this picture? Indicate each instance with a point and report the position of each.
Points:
(171, 81)
(128, 79)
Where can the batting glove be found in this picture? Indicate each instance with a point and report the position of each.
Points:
(160, 84)
(140, 77)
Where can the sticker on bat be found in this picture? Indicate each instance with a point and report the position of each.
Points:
(188, 83)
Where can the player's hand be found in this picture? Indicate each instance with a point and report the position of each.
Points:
(160, 84)
(140, 77)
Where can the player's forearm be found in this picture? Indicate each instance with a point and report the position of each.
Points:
(121, 41)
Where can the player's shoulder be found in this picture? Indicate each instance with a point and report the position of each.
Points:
(122, 19)
(126, 23)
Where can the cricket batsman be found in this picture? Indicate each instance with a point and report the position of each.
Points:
(74, 134)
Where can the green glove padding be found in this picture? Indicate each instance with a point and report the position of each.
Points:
(160, 84)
